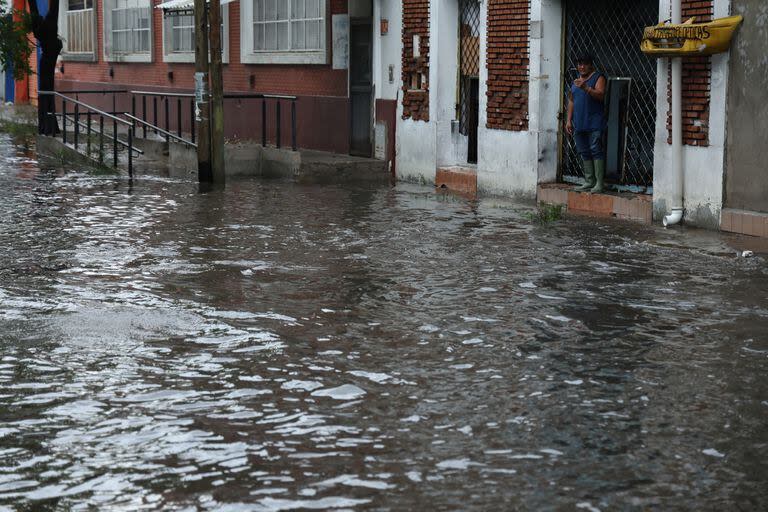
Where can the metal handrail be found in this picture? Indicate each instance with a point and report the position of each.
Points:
(106, 135)
(157, 93)
(166, 96)
(89, 107)
(98, 91)
(226, 95)
(90, 110)
(158, 129)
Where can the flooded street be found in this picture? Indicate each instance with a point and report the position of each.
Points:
(276, 347)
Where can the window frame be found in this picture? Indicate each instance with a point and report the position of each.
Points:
(189, 57)
(109, 54)
(66, 55)
(248, 55)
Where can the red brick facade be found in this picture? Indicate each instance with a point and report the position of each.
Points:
(322, 91)
(508, 63)
(697, 80)
(416, 68)
(313, 80)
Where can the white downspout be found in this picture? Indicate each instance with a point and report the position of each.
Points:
(677, 129)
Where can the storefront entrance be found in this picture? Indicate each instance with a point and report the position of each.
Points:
(610, 30)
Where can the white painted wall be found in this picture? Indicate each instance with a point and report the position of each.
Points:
(546, 83)
(444, 56)
(387, 49)
(703, 167)
(507, 161)
(416, 145)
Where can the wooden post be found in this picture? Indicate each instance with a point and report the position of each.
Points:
(217, 94)
(202, 119)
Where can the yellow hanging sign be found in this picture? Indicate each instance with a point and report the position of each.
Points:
(689, 39)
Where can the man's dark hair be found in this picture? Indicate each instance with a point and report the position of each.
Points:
(585, 58)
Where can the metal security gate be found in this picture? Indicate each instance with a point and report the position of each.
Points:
(469, 74)
(610, 30)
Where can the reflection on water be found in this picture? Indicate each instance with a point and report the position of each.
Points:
(280, 347)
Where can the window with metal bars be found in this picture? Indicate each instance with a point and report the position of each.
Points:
(79, 27)
(469, 58)
(128, 29)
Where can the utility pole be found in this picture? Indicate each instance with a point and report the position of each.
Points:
(202, 113)
(217, 94)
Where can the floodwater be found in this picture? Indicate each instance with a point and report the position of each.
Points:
(284, 347)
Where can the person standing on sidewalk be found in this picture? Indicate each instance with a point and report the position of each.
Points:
(586, 121)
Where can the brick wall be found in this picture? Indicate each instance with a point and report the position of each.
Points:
(507, 61)
(300, 80)
(697, 79)
(415, 22)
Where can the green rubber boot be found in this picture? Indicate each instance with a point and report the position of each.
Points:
(589, 176)
(599, 176)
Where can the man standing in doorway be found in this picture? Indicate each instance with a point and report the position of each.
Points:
(586, 122)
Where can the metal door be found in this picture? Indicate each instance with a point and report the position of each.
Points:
(610, 30)
(469, 73)
(361, 87)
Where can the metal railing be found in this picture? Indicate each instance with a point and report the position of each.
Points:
(141, 114)
(168, 135)
(89, 112)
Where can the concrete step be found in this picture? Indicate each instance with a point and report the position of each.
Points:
(248, 159)
(460, 179)
(621, 205)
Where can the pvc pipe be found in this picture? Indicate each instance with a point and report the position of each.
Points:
(677, 130)
(674, 217)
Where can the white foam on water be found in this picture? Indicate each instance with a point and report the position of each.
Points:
(372, 376)
(526, 456)
(478, 319)
(559, 318)
(472, 341)
(301, 385)
(588, 506)
(429, 328)
(354, 481)
(551, 451)
(465, 366)
(457, 464)
(343, 392)
(414, 476)
(577, 382)
(329, 502)
(412, 419)
(713, 453)
(528, 285)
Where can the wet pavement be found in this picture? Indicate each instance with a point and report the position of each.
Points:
(283, 347)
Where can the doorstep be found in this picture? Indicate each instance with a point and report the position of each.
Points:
(462, 180)
(620, 205)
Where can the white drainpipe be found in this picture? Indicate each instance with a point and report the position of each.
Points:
(677, 129)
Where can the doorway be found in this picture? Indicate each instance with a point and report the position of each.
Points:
(608, 30)
(469, 74)
(361, 87)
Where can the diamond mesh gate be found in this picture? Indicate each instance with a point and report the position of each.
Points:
(469, 61)
(610, 30)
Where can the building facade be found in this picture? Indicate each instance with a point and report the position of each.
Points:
(289, 47)
(474, 85)
(486, 92)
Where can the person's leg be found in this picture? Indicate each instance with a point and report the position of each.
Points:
(598, 156)
(583, 148)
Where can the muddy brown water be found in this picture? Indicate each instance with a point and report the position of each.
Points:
(281, 347)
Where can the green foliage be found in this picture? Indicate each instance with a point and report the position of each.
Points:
(17, 129)
(546, 213)
(15, 44)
